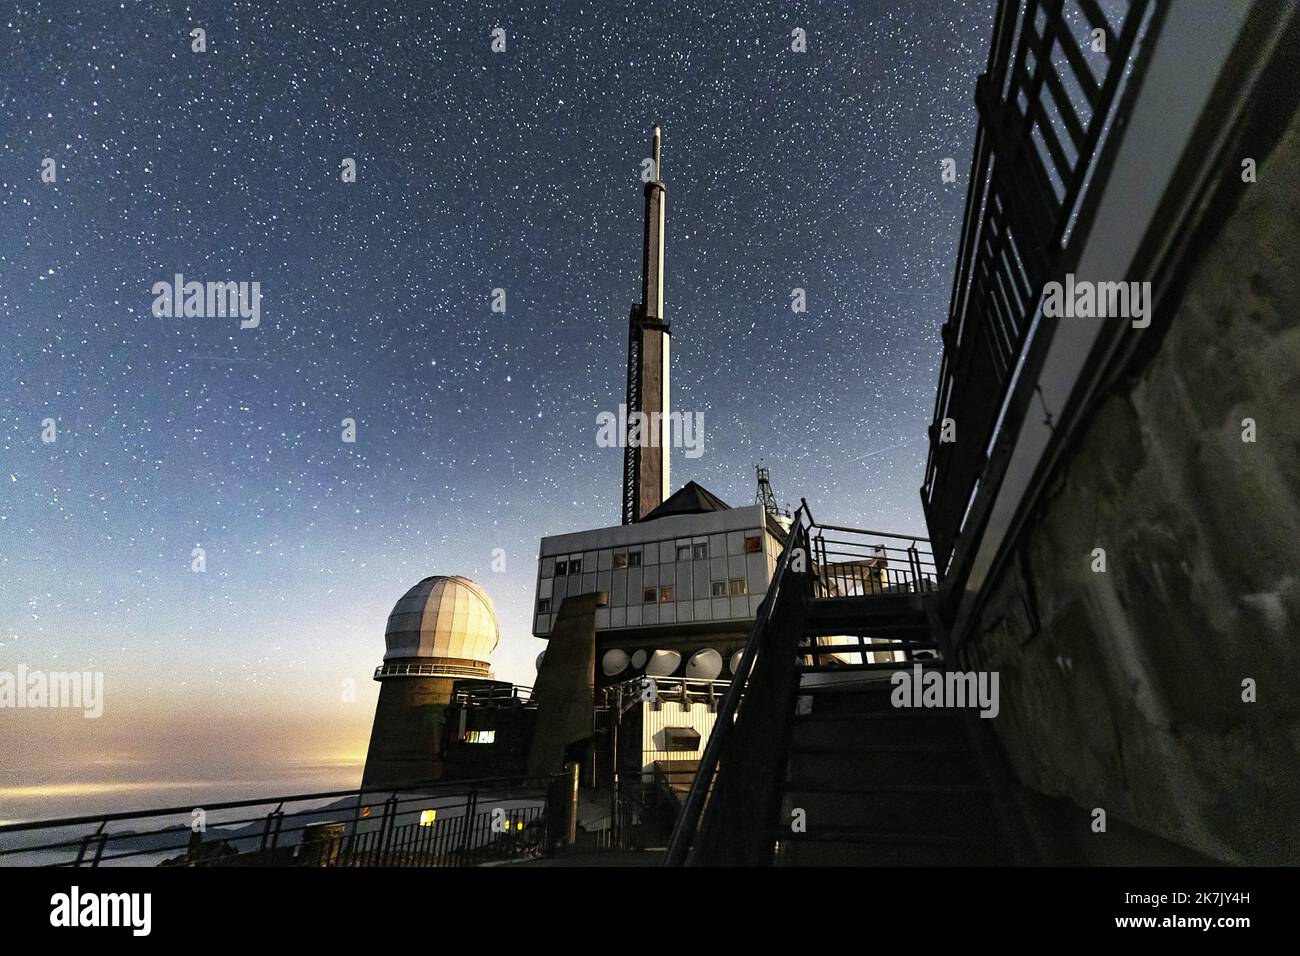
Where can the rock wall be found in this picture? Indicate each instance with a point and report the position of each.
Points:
(1123, 690)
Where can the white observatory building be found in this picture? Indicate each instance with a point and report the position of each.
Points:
(442, 630)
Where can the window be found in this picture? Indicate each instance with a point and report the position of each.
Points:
(648, 596)
(561, 569)
(719, 588)
(683, 552)
(738, 586)
(634, 559)
(665, 595)
(575, 566)
(700, 550)
(543, 605)
(620, 559)
(753, 544)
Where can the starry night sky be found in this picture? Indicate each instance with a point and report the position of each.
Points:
(475, 430)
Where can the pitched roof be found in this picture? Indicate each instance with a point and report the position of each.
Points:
(690, 499)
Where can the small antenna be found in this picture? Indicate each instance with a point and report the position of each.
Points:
(656, 146)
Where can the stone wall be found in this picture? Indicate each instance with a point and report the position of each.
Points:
(1123, 690)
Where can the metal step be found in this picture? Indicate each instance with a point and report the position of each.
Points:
(851, 766)
(859, 847)
(965, 811)
(899, 726)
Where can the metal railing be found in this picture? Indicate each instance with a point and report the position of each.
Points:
(726, 816)
(853, 563)
(1046, 105)
(438, 668)
(494, 695)
(464, 823)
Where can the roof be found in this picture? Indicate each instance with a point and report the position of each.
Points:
(690, 499)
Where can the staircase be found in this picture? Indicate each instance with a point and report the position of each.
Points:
(883, 786)
(818, 768)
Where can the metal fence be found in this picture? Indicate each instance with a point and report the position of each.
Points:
(1046, 103)
(467, 823)
(852, 563)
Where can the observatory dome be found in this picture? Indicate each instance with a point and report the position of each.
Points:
(446, 619)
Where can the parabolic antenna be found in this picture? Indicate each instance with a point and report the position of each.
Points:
(705, 664)
(663, 663)
(614, 662)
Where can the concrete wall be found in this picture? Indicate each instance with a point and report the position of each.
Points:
(565, 687)
(407, 736)
(1123, 690)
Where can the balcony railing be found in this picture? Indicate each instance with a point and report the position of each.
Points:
(852, 563)
(493, 695)
(458, 824)
(436, 668)
(1047, 104)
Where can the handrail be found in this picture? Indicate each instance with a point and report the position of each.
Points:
(688, 824)
(1036, 173)
(422, 788)
(364, 839)
(874, 534)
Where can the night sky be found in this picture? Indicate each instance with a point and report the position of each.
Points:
(474, 430)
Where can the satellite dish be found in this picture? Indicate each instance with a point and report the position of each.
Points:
(704, 665)
(663, 663)
(537, 665)
(614, 662)
(639, 659)
(735, 660)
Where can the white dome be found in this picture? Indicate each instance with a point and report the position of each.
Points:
(449, 618)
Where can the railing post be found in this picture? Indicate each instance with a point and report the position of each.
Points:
(386, 826)
(571, 805)
(271, 834)
(467, 834)
(99, 838)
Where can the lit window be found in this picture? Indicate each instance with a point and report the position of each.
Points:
(479, 736)
(753, 544)
(738, 586)
(427, 817)
(648, 596)
(620, 559)
(634, 559)
(683, 552)
(701, 550)
(665, 595)
(719, 588)
(561, 569)
(543, 605)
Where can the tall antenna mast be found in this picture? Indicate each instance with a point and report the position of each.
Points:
(646, 454)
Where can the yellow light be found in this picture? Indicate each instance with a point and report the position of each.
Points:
(519, 825)
(426, 817)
